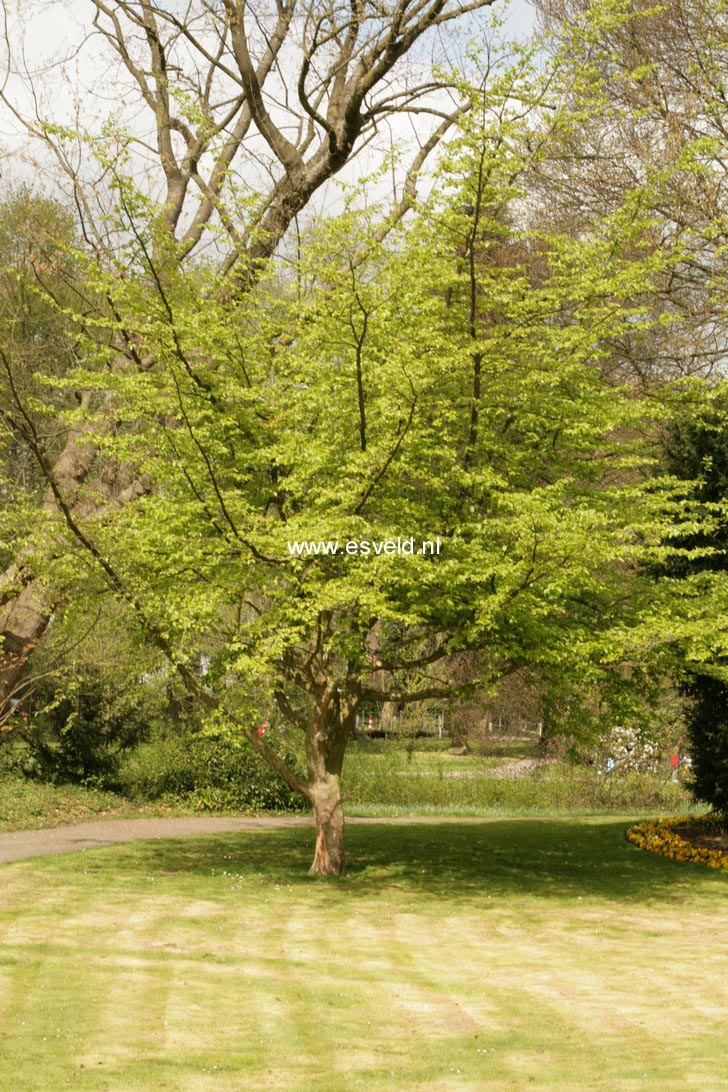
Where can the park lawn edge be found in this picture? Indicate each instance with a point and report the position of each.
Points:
(659, 836)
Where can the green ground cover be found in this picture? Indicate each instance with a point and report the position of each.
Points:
(380, 778)
(29, 805)
(524, 953)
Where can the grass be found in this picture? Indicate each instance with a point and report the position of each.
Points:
(29, 805)
(379, 779)
(454, 956)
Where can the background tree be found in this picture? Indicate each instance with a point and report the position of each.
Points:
(707, 723)
(39, 281)
(654, 76)
(697, 449)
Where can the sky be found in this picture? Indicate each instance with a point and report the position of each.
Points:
(520, 16)
(81, 92)
(43, 30)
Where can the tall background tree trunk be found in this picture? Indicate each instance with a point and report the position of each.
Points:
(23, 621)
(26, 603)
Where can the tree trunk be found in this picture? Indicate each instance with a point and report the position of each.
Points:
(23, 621)
(389, 710)
(25, 609)
(328, 812)
(325, 745)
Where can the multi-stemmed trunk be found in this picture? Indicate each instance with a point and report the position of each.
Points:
(328, 811)
(325, 746)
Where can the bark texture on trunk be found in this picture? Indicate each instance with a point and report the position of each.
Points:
(389, 712)
(23, 621)
(328, 812)
(325, 746)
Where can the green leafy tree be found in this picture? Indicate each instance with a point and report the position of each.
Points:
(426, 389)
(230, 118)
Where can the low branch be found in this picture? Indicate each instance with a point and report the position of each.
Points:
(276, 763)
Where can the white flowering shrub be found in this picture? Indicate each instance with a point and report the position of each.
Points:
(630, 749)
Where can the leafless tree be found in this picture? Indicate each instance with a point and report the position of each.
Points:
(659, 80)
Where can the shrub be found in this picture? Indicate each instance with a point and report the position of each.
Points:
(212, 772)
(79, 734)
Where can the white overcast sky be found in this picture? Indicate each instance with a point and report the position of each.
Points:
(520, 16)
(40, 30)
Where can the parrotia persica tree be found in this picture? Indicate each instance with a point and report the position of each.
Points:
(230, 117)
(439, 386)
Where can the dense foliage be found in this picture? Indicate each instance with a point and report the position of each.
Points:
(707, 721)
(247, 454)
(209, 772)
(79, 734)
(697, 449)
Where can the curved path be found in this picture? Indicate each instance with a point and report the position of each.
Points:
(21, 845)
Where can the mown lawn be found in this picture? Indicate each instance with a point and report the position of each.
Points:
(502, 954)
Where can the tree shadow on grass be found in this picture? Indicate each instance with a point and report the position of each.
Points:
(545, 858)
(541, 857)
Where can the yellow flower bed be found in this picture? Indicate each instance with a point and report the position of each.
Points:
(658, 836)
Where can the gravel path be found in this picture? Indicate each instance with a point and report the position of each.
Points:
(21, 845)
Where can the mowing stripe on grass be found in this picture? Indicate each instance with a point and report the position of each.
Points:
(451, 956)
